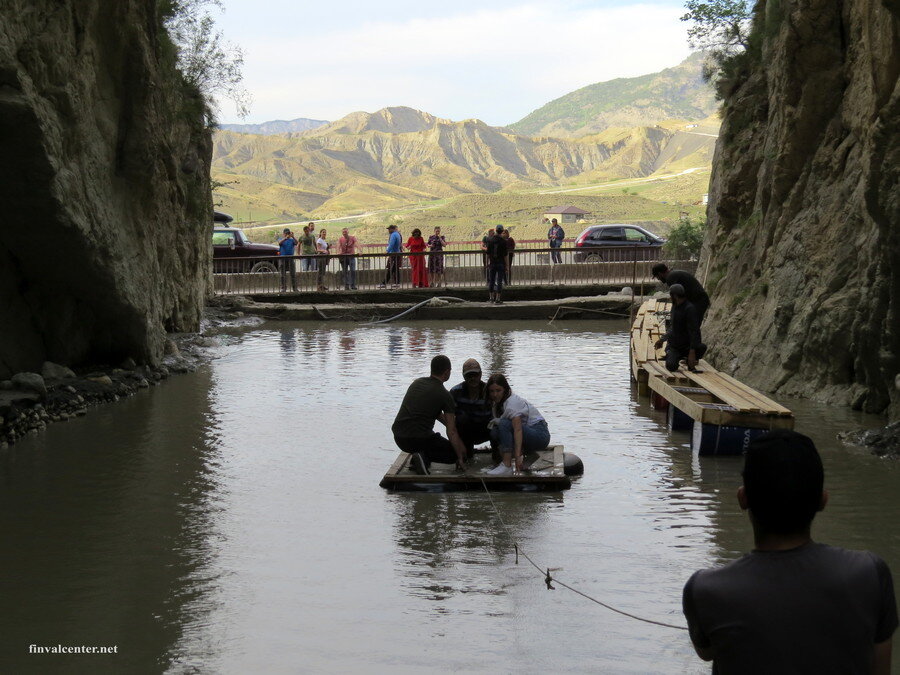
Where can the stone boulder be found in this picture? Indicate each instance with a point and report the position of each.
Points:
(30, 382)
(54, 371)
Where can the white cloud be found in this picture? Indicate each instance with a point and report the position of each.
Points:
(494, 64)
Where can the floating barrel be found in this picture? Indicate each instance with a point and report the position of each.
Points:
(712, 439)
(679, 420)
(572, 464)
(658, 402)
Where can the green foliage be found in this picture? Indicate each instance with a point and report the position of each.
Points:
(718, 25)
(685, 238)
(206, 61)
(723, 29)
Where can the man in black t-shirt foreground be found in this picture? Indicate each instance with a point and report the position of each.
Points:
(693, 289)
(791, 605)
(427, 401)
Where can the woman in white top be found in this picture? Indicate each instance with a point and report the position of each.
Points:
(322, 252)
(518, 427)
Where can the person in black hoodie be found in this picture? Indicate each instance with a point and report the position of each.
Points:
(693, 289)
(683, 338)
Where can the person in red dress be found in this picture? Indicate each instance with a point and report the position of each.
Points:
(416, 244)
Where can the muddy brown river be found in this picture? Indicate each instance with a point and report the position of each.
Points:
(230, 520)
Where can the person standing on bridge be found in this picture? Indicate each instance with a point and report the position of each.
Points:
(348, 247)
(322, 247)
(510, 248)
(308, 249)
(791, 605)
(286, 245)
(394, 249)
(416, 244)
(685, 341)
(693, 289)
(436, 244)
(555, 236)
(497, 260)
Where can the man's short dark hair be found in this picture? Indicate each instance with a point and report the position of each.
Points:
(440, 364)
(659, 268)
(783, 479)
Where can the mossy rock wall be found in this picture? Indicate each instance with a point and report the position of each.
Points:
(104, 185)
(803, 243)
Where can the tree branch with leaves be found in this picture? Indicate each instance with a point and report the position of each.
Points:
(206, 60)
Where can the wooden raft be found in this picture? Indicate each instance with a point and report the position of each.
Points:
(707, 395)
(545, 472)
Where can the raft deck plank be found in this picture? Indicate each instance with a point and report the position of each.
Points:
(725, 392)
(764, 401)
(549, 476)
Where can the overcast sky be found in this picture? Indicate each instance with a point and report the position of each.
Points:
(496, 61)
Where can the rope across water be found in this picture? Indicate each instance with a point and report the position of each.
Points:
(550, 579)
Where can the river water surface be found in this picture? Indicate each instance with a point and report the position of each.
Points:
(230, 521)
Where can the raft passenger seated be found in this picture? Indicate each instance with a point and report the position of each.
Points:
(518, 427)
(426, 402)
(473, 408)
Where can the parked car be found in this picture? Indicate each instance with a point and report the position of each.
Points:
(231, 244)
(617, 242)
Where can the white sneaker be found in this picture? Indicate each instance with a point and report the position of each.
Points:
(500, 470)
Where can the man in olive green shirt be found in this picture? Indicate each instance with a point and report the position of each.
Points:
(308, 248)
(427, 401)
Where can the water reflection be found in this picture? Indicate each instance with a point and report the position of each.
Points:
(497, 353)
(453, 543)
(230, 520)
(106, 522)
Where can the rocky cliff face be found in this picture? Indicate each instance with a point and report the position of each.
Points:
(104, 238)
(803, 246)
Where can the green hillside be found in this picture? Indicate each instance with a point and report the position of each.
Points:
(355, 166)
(674, 93)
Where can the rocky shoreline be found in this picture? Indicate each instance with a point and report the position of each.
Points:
(31, 401)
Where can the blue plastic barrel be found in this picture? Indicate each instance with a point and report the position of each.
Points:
(679, 420)
(712, 439)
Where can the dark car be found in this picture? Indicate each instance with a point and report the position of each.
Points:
(231, 244)
(618, 241)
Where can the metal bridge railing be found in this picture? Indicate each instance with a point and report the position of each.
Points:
(624, 266)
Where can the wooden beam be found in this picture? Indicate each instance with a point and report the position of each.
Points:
(710, 381)
(712, 413)
(687, 405)
(765, 402)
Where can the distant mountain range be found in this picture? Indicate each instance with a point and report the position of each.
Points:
(275, 126)
(398, 155)
(674, 93)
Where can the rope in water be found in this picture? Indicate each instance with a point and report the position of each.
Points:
(550, 579)
(617, 315)
(446, 298)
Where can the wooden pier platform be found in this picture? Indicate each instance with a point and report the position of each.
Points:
(715, 401)
(544, 472)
